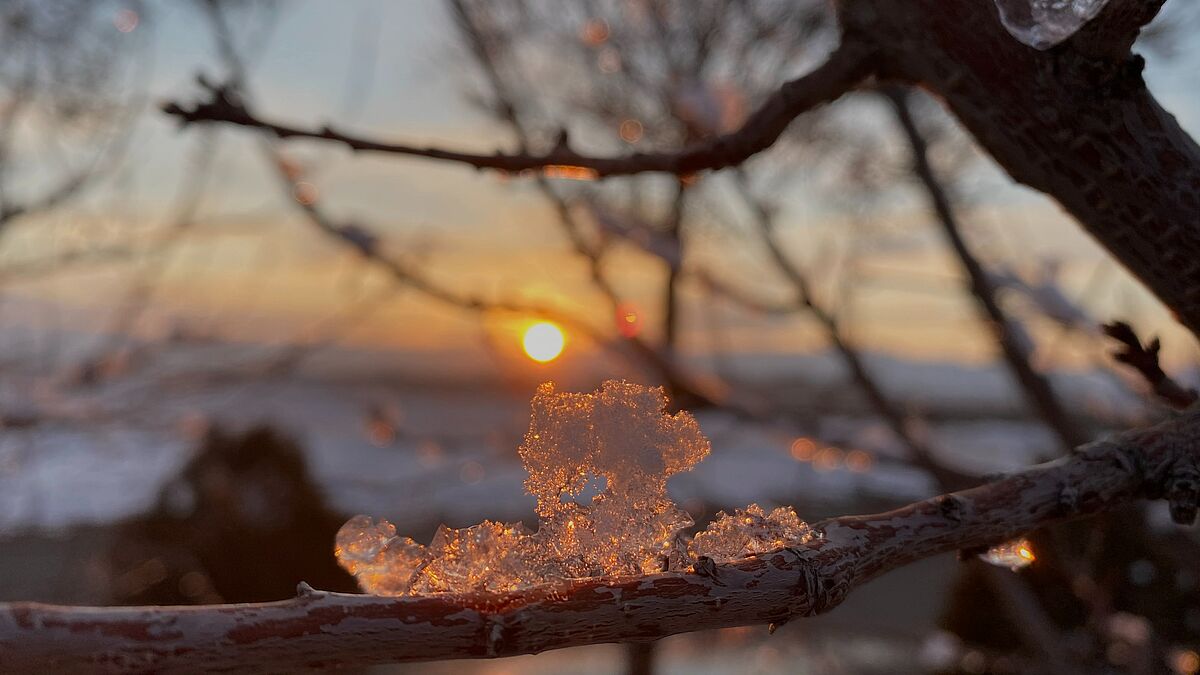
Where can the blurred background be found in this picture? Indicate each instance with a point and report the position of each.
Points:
(216, 346)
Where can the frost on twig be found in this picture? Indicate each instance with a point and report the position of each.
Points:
(1042, 24)
(620, 435)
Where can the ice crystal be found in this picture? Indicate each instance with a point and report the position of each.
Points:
(383, 563)
(1041, 24)
(1014, 554)
(620, 436)
(749, 531)
(485, 557)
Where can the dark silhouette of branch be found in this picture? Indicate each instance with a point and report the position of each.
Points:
(1144, 359)
(1022, 609)
(1048, 117)
(319, 629)
(483, 50)
(1042, 398)
(918, 452)
(844, 69)
(365, 243)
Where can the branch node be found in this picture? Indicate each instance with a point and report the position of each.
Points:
(1068, 499)
(1183, 491)
(818, 588)
(707, 567)
(950, 506)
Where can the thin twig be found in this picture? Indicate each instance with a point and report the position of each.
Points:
(1038, 389)
(1144, 359)
(845, 68)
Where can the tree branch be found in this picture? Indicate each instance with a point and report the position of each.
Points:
(1037, 388)
(918, 451)
(320, 629)
(1075, 122)
(847, 66)
(1144, 359)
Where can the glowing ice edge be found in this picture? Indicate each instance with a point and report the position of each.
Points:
(621, 434)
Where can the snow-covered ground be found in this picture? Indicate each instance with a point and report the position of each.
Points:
(453, 458)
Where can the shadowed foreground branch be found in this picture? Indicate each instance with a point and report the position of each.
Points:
(318, 629)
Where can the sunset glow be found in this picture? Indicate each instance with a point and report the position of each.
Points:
(543, 341)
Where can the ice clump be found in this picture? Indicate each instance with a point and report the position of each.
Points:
(749, 531)
(620, 435)
(485, 557)
(383, 563)
(1042, 24)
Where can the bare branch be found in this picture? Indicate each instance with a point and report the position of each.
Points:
(1035, 112)
(846, 67)
(918, 451)
(1040, 393)
(404, 274)
(320, 629)
(1144, 359)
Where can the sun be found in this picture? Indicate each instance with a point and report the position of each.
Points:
(543, 341)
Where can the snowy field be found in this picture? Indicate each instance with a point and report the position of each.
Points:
(450, 454)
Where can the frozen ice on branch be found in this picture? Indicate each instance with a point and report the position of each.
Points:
(750, 531)
(1042, 24)
(620, 435)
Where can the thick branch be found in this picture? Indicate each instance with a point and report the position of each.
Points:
(1075, 122)
(845, 68)
(324, 629)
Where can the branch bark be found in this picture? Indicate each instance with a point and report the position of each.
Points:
(319, 629)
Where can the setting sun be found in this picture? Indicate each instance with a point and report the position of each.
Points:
(543, 341)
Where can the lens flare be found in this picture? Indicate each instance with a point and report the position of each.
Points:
(543, 341)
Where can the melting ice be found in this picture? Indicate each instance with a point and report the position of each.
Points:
(621, 434)
(1014, 555)
(1041, 24)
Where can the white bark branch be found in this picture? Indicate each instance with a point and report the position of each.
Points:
(319, 629)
